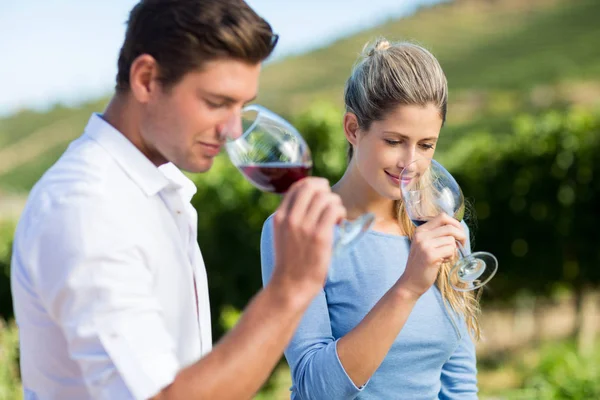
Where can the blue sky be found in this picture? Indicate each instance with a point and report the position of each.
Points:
(66, 50)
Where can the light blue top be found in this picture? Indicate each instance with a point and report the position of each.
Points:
(433, 357)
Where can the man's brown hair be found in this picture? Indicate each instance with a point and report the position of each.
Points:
(182, 35)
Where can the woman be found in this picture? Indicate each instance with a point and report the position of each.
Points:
(387, 325)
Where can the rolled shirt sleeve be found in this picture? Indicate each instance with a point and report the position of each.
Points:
(94, 282)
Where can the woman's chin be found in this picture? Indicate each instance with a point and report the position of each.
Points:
(391, 193)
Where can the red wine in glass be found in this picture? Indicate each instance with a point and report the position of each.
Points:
(275, 177)
(418, 222)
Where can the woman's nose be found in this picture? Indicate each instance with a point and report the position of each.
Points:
(406, 160)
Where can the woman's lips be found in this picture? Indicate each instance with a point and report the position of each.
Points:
(397, 180)
(393, 178)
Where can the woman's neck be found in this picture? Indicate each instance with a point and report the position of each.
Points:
(359, 198)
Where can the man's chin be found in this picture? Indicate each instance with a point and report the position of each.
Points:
(199, 167)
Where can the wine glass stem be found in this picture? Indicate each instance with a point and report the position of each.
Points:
(461, 250)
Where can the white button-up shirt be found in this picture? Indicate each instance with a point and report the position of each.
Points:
(109, 286)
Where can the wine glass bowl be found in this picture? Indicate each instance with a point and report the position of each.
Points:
(272, 155)
(428, 190)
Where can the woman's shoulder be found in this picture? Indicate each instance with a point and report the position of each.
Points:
(266, 234)
(268, 224)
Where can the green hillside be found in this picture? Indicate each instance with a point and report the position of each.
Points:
(502, 57)
(482, 45)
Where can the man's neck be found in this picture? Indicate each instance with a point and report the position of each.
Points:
(125, 116)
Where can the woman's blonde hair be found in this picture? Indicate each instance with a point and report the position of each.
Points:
(388, 75)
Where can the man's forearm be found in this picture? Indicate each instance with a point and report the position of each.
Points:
(240, 363)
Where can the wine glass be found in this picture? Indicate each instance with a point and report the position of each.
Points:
(272, 155)
(428, 189)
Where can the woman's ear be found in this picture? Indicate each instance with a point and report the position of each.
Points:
(351, 128)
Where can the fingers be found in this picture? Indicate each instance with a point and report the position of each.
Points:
(309, 195)
(441, 254)
(333, 214)
(457, 233)
(318, 205)
(298, 198)
(440, 220)
(441, 242)
(437, 228)
(431, 247)
(311, 209)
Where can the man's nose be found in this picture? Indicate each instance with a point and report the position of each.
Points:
(231, 129)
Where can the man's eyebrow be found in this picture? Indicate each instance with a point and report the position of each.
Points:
(227, 98)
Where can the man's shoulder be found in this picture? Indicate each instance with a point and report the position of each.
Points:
(83, 163)
(80, 195)
(85, 174)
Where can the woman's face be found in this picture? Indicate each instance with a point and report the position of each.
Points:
(405, 134)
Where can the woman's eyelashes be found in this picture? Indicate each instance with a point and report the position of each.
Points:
(423, 146)
(393, 142)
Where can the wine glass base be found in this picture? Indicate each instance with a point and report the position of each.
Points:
(473, 271)
(351, 231)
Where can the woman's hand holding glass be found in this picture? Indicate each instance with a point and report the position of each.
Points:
(433, 243)
(429, 190)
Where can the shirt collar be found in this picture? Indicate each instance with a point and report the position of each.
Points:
(182, 183)
(135, 164)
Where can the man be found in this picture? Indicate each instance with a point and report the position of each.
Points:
(108, 281)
